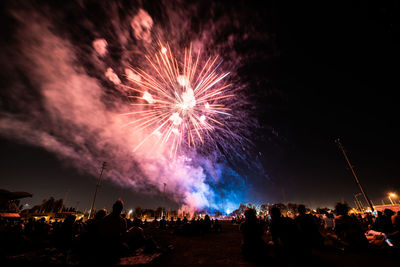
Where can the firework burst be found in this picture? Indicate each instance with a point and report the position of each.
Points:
(182, 103)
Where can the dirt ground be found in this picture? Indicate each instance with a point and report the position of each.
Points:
(223, 249)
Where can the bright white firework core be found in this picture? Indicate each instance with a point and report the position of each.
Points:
(188, 100)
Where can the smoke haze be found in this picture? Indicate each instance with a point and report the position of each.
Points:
(67, 93)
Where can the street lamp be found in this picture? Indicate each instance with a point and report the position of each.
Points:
(392, 195)
(130, 213)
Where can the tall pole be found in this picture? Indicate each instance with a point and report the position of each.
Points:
(164, 197)
(354, 174)
(162, 210)
(391, 201)
(103, 166)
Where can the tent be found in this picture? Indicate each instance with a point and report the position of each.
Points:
(6, 195)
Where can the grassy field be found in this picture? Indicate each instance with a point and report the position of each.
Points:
(223, 249)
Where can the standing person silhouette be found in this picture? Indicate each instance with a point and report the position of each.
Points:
(253, 246)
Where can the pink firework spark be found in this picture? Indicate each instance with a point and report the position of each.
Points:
(181, 102)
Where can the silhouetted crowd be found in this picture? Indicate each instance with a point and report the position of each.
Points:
(106, 237)
(298, 235)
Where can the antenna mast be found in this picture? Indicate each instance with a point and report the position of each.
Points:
(337, 141)
(97, 187)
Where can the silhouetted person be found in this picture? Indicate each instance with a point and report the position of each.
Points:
(377, 225)
(284, 231)
(217, 226)
(348, 229)
(207, 224)
(91, 239)
(253, 246)
(395, 236)
(155, 223)
(386, 221)
(135, 237)
(100, 215)
(308, 228)
(396, 221)
(65, 235)
(163, 223)
(171, 223)
(112, 230)
(94, 224)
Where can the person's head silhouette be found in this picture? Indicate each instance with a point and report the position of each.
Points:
(275, 212)
(341, 209)
(117, 207)
(301, 209)
(250, 214)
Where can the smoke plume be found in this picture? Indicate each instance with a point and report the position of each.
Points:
(66, 95)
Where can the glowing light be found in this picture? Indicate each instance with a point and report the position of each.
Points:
(188, 100)
(184, 98)
(202, 119)
(147, 96)
(392, 195)
(175, 131)
(132, 76)
(157, 133)
(142, 24)
(100, 45)
(176, 119)
(182, 80)
(112, 76)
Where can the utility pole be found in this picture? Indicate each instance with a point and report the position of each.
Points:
(391, 201)
(97, 187)
(337, 141)
(164, 200)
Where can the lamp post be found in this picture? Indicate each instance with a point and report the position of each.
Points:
(390, 196)
(130, 213)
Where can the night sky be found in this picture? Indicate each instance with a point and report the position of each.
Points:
(315, 72)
